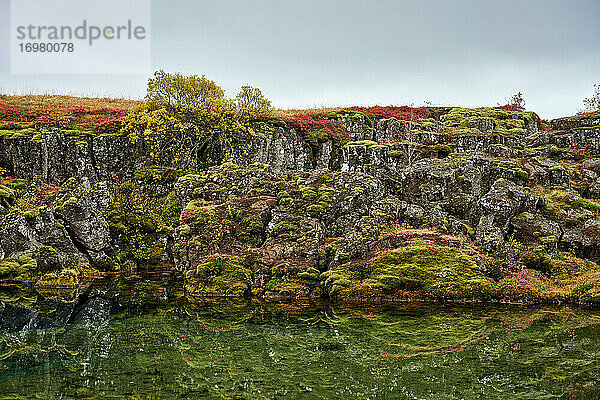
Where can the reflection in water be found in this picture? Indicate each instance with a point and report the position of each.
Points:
(142, 337)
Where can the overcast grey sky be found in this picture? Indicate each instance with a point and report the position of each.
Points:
(333, 52)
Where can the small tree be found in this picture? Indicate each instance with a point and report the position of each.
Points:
(251, 102)
(187, 121)
(177, 90)
(515, 102)
(591, 104)
(410, 142)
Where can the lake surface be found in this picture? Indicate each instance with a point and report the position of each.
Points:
(143, 337)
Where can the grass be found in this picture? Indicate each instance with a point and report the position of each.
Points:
(72, 101)
(279, 113)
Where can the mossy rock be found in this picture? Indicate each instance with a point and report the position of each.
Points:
(311, 274)
(537, 258)
(281, 269)
(308, 193)
(220, 274)
(587, 292)
(8, 269)
(156, 173)
(424, 270)
(63, 279)
(315, 209)
(443, 150)
(6, 192)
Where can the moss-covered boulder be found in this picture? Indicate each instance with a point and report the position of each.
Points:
(412, 271)
(219, 274)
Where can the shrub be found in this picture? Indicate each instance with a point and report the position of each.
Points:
(515, 103)
(187, 122)
(592, 103)
(251, 102)
(177, 90)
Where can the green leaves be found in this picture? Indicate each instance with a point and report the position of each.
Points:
(177, 90)
(187, 122)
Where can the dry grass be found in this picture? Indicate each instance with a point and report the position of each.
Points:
(294, 111)
(68, 101)
(96, 102)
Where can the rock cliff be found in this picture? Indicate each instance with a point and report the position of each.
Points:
(468, 203)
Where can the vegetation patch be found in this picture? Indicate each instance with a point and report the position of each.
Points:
(415, 270)
(219, 274)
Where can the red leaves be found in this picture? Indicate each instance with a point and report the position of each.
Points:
(47, 195)
(581, 115)
(405, 113)
(99, 120)
(577, 152)
(312, 122)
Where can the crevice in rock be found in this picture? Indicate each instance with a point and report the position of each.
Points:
(79, 246)
(90, 148)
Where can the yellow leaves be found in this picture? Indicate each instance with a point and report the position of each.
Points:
(187, 120)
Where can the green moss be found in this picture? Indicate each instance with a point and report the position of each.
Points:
(549, 239)
(537, 259)
(6, 192)
(154, 174)
(516, 131)
(288, 288)
(281, 269)
(308, 193)
(312, 274)
(587, 292)
(521, 174)
(220, 274)
(184, 229)
(427, 122)
(426, 270)
(65, 278)
(361, 143)
(8, 268)
(198, 214)
(554, 151)
(285, 201)
(506, 165)
(315, 209)
(504, 122)
(525, 217)
(443, 150)
(252, 228)
(560, 199)
(142, 219)
(326, 194)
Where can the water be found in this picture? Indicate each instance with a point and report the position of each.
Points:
(143, 338)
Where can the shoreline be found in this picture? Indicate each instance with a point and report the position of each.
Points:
(96, 279)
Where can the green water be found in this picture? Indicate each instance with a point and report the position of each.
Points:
(154, 342)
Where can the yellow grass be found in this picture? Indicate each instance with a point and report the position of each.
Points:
(69, 101)
(96, 102)
(295, 111)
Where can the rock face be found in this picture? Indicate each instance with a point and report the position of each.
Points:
(284, 214)
(57, 157)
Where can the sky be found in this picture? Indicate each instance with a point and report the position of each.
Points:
(377, 52)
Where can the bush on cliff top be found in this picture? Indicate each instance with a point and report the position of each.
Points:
(187, 122)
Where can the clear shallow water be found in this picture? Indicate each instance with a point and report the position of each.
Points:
(128, 339)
